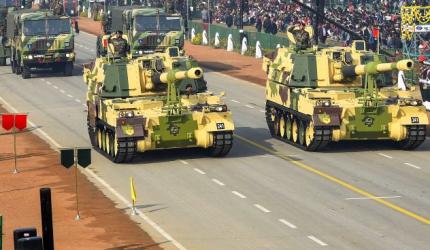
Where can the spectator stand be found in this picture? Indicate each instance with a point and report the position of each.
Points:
(415, 31)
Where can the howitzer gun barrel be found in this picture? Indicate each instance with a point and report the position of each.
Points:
(177, 75)
(374, 68)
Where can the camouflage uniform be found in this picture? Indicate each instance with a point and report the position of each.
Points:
(302, 38)
(120, 46)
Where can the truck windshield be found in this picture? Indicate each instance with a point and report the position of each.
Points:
(149, 23)
(46, 27)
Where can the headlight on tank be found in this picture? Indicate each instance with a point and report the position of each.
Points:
(66, 44)
(30, 57)
(126, 114)
(67, 55)
(218, 108)
(324, 103)
(177, 41)
(410, 102)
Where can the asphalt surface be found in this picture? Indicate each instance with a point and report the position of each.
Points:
(264, 195)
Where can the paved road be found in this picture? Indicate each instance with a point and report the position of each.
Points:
(265, 194)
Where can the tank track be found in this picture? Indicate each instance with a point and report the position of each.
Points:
(126, 147)
(222, 144)
(416, 135)
(321, 138)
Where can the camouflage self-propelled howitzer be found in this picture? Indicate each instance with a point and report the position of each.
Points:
(147, 30)
(40, 39)
(137, 105)
(320, 95)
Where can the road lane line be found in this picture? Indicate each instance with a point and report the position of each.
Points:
(69, 95)
(369, 198)
(126, 202)
(235, 101)
(218, 182)
(199, 171)
(262, 111)
(289, 224)
(316, 240)
(338, 181)
(412, 165)
(262, 208)
(239, 194)
(386, 156)
(77, 100)
(62, 91)
(55, 86)
(249, 106)
(184, 162)
(48, 82)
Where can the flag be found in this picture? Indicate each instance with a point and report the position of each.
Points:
(21, 121)
(132, 190)
(8, 121)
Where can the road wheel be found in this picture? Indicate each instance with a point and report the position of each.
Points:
(310, 142)
(107, 142)
(18, 68)
(2, 61)
(99, 138)
(26, 73)
(282, 126)
(270, 118)
(295, 130)
(302, 132)
(113, 145)
(276, 128)
(13, 65)
(68, 69)
(288, 127)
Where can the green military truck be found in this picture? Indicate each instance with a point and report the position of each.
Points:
(5, 7)
(147, 30)
(40, 39)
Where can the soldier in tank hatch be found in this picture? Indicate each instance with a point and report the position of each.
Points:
(120, 45)
(301, 36)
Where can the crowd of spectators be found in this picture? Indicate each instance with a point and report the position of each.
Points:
(360, 16)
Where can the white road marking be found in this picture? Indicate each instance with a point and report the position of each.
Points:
(93, 50)
(289, 224)
(412, 165)
(77, 100)
(48, 82)
(54, 86)
(262, 208)
(376, 197)
(184, 162)
(69, 95)
(249, 106)
(199, 171)
(42, 79)
(57, 146)
(262, 111)
(62, 91)
(316, 240)
(386, 156)
(84, 105)
(239, 194)
(218, 182)
(235, 101)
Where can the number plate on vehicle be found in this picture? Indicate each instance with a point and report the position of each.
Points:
(220, 126)
(415, 120)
